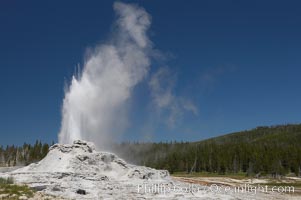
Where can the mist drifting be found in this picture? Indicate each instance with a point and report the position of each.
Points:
(94, 104)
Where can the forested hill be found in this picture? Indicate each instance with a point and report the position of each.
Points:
(285, 134)
(272, 151)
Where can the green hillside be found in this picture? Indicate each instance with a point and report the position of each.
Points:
(285, 133)
(272, 151)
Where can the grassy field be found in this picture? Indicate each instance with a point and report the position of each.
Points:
(207, 174)
(11, 191)
(296, 184)
(240, 178)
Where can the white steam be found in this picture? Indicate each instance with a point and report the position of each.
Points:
(93, 106)
(162, 86)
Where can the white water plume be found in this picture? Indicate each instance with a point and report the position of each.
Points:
(94, 103)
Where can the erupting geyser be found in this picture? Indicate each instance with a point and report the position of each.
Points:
(94, 104)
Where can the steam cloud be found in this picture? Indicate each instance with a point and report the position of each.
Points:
(162, 84)
(94, 102)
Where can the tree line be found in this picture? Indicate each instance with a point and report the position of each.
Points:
(22, 155)
(273, 151)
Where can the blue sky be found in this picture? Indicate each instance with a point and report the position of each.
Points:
(238, 61)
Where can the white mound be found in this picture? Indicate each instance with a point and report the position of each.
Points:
(80, 158)
(78, 171)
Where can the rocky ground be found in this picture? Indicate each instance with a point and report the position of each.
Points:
(250, 188)
(36, 196)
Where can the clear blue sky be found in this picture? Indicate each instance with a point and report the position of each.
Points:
(238, 61)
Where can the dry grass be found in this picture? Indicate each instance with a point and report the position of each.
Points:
(11, 191)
